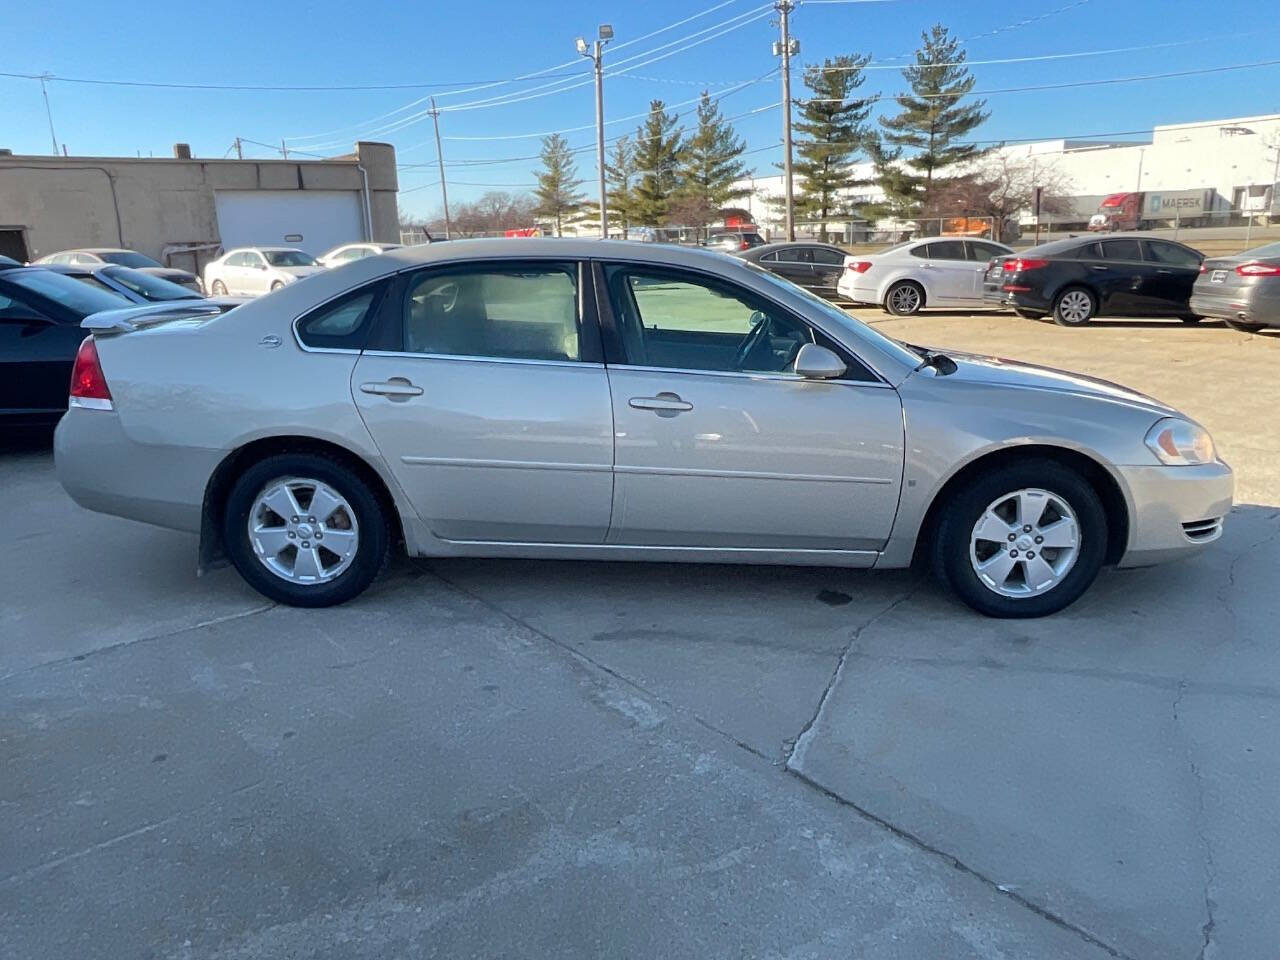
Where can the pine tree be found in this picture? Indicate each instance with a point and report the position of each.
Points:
(620, 176)
(557, 192)
(832, 133)
(659, 145)
(931, 121)
(709, 167)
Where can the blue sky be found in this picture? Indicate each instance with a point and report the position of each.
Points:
(465, 45)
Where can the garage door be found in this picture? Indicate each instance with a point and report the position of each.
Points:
(321, 218)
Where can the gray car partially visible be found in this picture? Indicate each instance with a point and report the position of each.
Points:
(1243, 291)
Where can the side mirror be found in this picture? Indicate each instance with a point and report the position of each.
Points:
(816, 362)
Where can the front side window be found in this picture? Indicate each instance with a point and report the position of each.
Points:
(342, 324)
(1125, 249)
(684, 323)
(512, 312)
(1162, 251)
(290, 258)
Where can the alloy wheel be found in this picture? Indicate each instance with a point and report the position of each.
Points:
(303, 530)
(904, 299)
(1025, 543)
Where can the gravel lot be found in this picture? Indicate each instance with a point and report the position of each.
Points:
(502, 758)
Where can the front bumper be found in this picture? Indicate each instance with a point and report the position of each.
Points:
(1174, 511)
(103, 469)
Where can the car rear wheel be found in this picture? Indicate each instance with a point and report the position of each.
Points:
(1243, 326)
(1024, 540)
(305, 530)
(219, 288)
(904, 298)
(1074, 307)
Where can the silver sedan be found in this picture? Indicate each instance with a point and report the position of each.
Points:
(615, 401)
(1243, 290)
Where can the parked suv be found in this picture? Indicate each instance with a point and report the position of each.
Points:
(1078, 279)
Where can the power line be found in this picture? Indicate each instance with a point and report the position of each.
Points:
(232, 87)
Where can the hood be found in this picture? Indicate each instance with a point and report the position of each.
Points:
(299, 271)
(172, 274)
(973, 368)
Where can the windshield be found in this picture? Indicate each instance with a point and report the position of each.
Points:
(69, 293)
(894, 348)
(1267, 250)
(145, 285)
(127, 258)
(289, 258)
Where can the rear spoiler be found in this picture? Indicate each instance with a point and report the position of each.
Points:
(129, 319)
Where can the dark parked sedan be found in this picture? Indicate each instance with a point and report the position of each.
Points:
(1243, 290)
(814, 266)
(1075, 280)
(40, 314)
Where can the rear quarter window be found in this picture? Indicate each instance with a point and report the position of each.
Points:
(342, 324)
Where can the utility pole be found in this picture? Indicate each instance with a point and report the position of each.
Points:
(48, 112)
(444, 191)
(283, 149)
(595, 53)
(239, 150)
(785, 48)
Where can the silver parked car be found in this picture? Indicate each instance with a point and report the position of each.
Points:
(96, 256)
(934, 272)
(1243, 291)
(252, 271)
(346, 252)
(615, 401)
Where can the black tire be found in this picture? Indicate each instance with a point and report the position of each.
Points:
(1029, 314)
(1065, 307)
(219, 289)
(277, 285)
(951, 546)
(909, 299)
(1190, 318)
(372, 519)
(1244, 327)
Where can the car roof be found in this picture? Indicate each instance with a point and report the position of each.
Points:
(1079, 240)
(542, 248)
(271, 249)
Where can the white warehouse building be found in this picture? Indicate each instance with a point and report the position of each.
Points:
(1238, 158)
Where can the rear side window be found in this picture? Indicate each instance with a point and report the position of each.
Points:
(1162, 251)
(769, 258)
(833, 258)
(1086, 251)
(342, 324)
(947, 250)
(985, 251)
(502, 311)
(1126, 249)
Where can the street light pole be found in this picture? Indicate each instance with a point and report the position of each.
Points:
(595, 53)
(786, 47)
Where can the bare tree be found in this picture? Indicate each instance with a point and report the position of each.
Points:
(1002, 187)
(494, 212)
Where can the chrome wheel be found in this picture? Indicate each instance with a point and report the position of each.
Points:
(1076, 306)
(303, 530)
(1025, 543)
(904, 299)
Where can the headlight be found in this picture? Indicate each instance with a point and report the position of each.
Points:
(1180, 443)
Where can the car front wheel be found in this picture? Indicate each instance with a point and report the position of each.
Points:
(306, 530)
(219, 288)
(1025, 540)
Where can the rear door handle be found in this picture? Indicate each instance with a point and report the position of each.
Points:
(1166, 272)
(395, 387)
(1099, 267)
(666, 402)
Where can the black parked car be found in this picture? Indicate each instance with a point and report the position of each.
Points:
(814, 266)
(40, 314)
(1075, 280)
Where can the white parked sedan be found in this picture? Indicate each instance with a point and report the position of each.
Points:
(935, 272)
(601, 400)
(353, 251)
(251, 271)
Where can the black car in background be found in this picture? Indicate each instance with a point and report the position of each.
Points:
(1080, 278)
(40, 314)
(814, 266)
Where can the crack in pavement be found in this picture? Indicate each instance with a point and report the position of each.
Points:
(1210, 868)
(801, 743)
(812, 784)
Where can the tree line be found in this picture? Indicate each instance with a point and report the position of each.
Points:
(663, 175)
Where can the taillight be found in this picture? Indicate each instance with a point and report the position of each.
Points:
(1203, 268)
(1258, 270)
(1020, 264)
(744, 246)
(858, 266)
(88, 383)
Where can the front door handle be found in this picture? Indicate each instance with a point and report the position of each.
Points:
(663, 402)
(396, 387)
